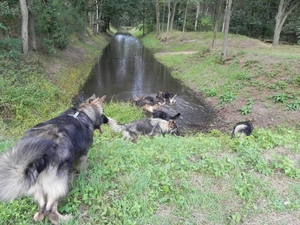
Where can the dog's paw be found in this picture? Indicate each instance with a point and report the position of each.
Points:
(57, 218)
(38, 216)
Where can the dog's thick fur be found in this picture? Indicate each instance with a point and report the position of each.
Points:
(145, 100)
(167, 97)
(164, 115)
(242, 128)
(151, 108)
(41, 163)
(148, 127)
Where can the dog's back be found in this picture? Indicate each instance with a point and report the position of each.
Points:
(164, 115)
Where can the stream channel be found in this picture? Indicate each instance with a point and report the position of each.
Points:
(127, 70)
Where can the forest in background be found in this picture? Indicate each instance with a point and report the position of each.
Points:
(45, 26)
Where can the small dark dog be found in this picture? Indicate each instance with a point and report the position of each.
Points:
(167, 97)
(164, 115)
(244, 128)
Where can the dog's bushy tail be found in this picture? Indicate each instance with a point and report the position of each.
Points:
(21, 165)
(117, 128)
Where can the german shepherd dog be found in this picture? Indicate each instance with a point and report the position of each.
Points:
(243, 128)
(166, 97)
(148, 127)
(151, 108)
(164, 115)
(145, 100)
(41, 163)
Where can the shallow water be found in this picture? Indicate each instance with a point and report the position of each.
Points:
(127, 70)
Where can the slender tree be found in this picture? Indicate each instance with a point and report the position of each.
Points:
(173, 15)
(157, 18)
(197, 14)
(169, 16)
(24, 30)
(226, 28)
(284, 9)
(31, 32)
(185, 15)
(217, 22)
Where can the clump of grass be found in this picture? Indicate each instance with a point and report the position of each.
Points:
(293, 106)
(247, 109)
(281, 97)
(227, 97)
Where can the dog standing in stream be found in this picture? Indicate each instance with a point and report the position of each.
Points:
(148, 127)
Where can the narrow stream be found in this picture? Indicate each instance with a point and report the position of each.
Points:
(127, 70)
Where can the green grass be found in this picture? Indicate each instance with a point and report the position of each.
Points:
(206, 178)
(179, 180)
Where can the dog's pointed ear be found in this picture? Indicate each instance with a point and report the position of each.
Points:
(90, 99)
(102, 99)
(98, 100)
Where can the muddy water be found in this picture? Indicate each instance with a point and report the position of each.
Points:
(127, 69)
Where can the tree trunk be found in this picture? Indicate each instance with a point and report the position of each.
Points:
(163, 18)
(173, 15)
(97, 17)
(281, 17)
(86, 15)
(197, 15)
(24, 11)
(31, 30)
(185, 14)
(157, 19)
(226, 30)
(169, 16)
(217, 22)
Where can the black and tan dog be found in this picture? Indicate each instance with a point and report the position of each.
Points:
(148, 127)
(167, 97)
(41, 163)
(164, 115)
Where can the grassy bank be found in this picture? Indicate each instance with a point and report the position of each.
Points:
(42, 85)
(206, 178)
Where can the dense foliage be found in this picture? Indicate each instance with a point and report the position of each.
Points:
(56, 20)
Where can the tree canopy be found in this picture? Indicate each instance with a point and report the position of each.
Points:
(51, 22)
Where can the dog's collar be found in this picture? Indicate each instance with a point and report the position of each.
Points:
(75, 115)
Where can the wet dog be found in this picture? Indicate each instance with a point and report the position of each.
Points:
(166, 97)
(242, 128)
(148, 127)
(42, 162)
(164, 115)
(151, 108)
(144, 100)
